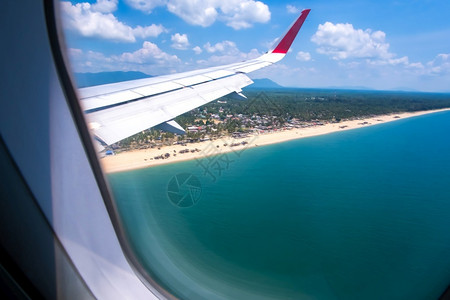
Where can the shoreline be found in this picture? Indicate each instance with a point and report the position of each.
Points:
(145, 158)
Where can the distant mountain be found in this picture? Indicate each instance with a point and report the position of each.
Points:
(405, 89)
(264, 83)
(91, 79)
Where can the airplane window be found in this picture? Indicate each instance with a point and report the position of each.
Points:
(243, 170)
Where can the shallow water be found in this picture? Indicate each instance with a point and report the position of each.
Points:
(360, 214)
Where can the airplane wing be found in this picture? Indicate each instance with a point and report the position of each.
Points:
(119, 110)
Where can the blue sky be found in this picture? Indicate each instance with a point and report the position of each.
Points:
(357, 43)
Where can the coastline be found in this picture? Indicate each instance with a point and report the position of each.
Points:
(138, 159)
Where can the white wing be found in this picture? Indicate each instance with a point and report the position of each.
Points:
(119, 110)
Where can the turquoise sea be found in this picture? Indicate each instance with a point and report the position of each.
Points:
(360, 214)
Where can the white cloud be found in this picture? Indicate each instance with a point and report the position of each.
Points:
(365, 56)
(227, 47)
(180, 41)
(392, 61)
(88, 22)
(439, 65)
(292, 9)
(237, 14)
(145, 5)
(342, 41)
(105, 6)
(148, 31)
(226, 52)
(197, 50)
(149, 59)
(201, 13)
(75, 52)
(303, 56)
(417, 65)
(150, 53)
(240, 14)
(91, 21)
(89, 61)
(93, 57)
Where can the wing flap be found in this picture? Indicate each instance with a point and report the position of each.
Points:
(188, 81)
(109, 99)
(113, 124)
(158, 88)
(219, 74)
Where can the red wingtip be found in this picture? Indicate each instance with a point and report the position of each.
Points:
(286, 42)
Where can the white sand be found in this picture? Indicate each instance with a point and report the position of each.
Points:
(137, 159)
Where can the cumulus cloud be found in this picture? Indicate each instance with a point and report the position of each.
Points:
(240, 14)
(357, 49)
(96, 20)
(392, 61)
(228, 47)
(341, 41)
(201, 13)
(149, 59)
(292, 9)
(148, 31)
(180, 41)
(145, 5)
(439, 65)
(303, 56)
(75, 52)
(150, 53)
(237, 14)
(105, 6)
(88, 61)
(197, 50)
(226, 52)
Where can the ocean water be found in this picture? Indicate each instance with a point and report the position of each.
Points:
(360, 214)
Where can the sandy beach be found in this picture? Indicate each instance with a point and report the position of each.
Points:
(145, 158)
